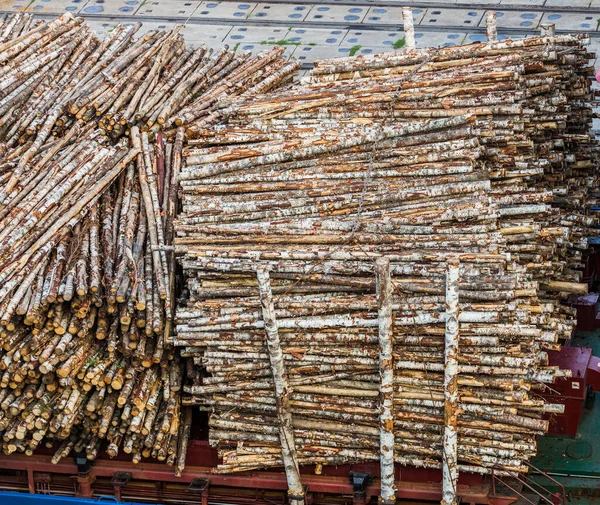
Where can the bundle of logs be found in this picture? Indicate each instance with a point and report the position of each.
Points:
(377, 258)
(88, 195)
(86, 301)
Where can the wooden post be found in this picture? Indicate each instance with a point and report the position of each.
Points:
(286, 430)
(450, 446)
(386, 381)
(490, 26)
(409, 28)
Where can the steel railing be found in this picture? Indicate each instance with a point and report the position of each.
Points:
(548, 497)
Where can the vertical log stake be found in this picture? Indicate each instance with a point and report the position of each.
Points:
(286, 430)
(386, 381)
(409, 28)
(450, 446)
(490, 26)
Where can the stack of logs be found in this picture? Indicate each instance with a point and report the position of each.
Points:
(88, 195)
(59, 74)
(299, 208)
(86, 301)
(327, 231)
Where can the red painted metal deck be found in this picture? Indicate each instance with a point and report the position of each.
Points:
(155, 482)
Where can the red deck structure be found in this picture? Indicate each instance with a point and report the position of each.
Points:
(155, 482)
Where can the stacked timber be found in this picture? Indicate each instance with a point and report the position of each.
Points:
(88, 196)
(86, 302)
(465, 170)
(60, 73)
(426, 200)
(532, 99)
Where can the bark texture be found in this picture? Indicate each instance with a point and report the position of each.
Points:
(88, 198)
(480, 154)
(451, 339)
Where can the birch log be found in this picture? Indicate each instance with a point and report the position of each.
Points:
(490, 26)
(386, 381)
(286, 431)
(451, 339)
(409, 28)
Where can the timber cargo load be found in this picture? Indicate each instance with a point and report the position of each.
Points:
(87, 202)
(378, 258)
(375, 260)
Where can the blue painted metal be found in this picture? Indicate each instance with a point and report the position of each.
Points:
(594, 240)
(8, 498)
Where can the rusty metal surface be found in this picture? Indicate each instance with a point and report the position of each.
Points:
(145, 476)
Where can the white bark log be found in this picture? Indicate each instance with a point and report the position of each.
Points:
(450, 449)
(490, 25)
(286, 430)
(386, 381)
(409, 28)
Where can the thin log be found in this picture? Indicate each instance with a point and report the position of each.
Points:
(450, 450)
(386, 381)
(286, 432)
(490, 26)
(409, 28)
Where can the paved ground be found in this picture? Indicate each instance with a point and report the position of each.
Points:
(327, 28)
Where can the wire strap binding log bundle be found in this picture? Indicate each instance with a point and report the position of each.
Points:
(487, 161)
(88, 196)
